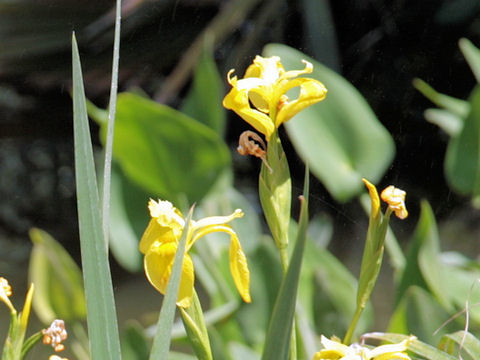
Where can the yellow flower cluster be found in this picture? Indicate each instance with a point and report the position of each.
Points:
(260, 98)
(159, 245)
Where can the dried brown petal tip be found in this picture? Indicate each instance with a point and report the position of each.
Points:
(251, 143)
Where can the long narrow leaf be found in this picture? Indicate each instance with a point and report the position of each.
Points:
(280, 328)
(101, 317)
(161, 342)
(111, 124)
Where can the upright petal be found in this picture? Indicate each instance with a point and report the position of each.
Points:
(155, 233)
(374, 199)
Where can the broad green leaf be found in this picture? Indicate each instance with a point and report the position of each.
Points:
(462, 160)
(432, 270)
(423, 266)
(455, 106)
(204, 99)
(472, 55)
(101, 316)
(340, 137)
(161, 341)
(447, 121)
(420, 314)
(334, 294)
(462, 285)
(165, 151)
(416, 346)
(278, 339)
(58, 281)
(266, 277)
(239, 351)
(135, 345)
(320, 34)
(128, 204)
(469, 344)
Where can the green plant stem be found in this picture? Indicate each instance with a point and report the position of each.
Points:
(353, 324)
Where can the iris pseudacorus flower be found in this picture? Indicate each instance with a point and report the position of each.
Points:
(334, 350)
(159, 245)
(260, 98)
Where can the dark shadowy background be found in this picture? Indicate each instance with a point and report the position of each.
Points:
(379, 46)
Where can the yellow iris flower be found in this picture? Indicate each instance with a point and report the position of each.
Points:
(334, 350)
(260, 98)
(394, 197)
(159, 245)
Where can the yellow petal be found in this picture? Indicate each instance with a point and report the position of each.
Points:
(238, 101)
(166, 225)
(239, 268)
(269, 69)
(155, 233)
(238, 260)
(27, 306)
(393, 356)
(311, 92)
(216, 220)
(158, 263)
(374, 199)
(391, 351)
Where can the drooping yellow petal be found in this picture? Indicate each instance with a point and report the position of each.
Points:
(311, 92)
(158, 263)
(238, 101)
(374, 199)
(237, 258)
(239, 268)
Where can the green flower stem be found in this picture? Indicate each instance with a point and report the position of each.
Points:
(275, 190)
(371, 264)
(194, 324)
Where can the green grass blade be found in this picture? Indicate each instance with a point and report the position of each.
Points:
(277, 343)
(101, 317)
(161, 342)
(107, 170)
